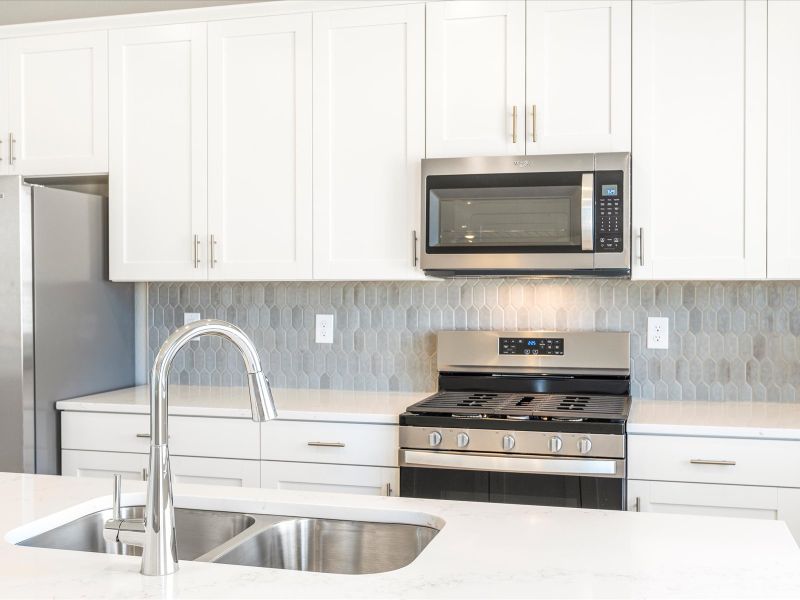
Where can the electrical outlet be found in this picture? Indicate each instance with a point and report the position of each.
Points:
(324, 329)
(658, 333)
(190, 318)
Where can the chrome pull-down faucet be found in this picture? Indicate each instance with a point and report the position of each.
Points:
(156, 532)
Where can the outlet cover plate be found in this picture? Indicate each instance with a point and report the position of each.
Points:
(658, 333)
(324, 329)
(190, 318)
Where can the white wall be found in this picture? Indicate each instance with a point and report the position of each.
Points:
(31, 11)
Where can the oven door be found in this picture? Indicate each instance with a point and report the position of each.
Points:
(538, 480)
(510, 221)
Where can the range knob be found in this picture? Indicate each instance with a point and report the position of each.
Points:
(462, 440)
(435, 438)
(584, 445)
(509, 442)
(555, 444)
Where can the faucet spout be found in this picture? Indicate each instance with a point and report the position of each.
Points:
(160, 549)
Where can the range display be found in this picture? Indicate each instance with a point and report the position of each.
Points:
(532, 346)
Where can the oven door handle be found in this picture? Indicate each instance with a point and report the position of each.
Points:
(595, 467)
(587, 212)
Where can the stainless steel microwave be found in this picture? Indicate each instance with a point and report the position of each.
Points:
(566, 214)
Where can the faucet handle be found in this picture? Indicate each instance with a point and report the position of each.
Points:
(116, 496)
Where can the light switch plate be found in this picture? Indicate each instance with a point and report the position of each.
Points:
(658, 333)
(190, 318)
(324, 329)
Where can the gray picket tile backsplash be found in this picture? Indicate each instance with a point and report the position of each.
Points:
(731, 340)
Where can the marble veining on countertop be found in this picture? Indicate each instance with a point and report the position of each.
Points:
(733, 418)
(292, 404)
(482, 551)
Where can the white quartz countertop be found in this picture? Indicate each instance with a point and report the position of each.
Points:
(292, 404)
(482, 551)
(769, 420)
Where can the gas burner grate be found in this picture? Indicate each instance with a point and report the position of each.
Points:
(520, 406)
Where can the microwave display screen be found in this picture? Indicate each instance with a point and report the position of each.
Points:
(609, 190)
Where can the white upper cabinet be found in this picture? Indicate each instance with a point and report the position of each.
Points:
(475, 60)
(578, 76)
(157, 167)
(784, 141)
(57, 121)
(259, 169)
(369, 137)
(4, 156)
(699, 139)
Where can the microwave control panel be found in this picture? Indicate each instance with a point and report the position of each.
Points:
(608, 212)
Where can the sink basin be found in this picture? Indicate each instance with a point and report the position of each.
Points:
(332, 546)
(198, 531)
(255, 540)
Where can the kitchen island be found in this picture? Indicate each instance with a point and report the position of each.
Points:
(482, 550)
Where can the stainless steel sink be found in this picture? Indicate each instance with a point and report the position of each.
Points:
(198, 531)
(331, 546)
(253, 540)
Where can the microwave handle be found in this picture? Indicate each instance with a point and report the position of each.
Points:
(587, 212)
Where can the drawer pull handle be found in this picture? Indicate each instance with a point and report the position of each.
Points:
(700, 461)
(143, 435)
(327, 444)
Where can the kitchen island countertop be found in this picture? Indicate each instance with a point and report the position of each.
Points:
(482, 551)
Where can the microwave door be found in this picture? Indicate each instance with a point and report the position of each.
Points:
(530, 222)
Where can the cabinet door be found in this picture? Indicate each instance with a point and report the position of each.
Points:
(475, 62)
(578, 76)
(215, 471)
(703, 499)
(369, 137)
(699, 139)
(58, 103)
(157, 161)
(751, 502)
(314, 477)
(83, 463)
(259, 170)
(4, 129)
(784, 133)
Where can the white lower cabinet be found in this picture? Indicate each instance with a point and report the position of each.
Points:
(723, 477)
(316, 477)
(185, 469)
(354, 458)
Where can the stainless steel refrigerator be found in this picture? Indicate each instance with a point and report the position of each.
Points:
(65, 330)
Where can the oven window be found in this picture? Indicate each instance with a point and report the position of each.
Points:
(511, 213)
(513, 488)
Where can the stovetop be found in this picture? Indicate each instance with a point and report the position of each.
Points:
(524, 406)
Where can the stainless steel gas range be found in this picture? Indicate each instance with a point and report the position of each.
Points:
(523, 417)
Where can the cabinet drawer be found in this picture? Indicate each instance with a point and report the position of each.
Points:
(339, 443)
(188, 436)
(714, 460)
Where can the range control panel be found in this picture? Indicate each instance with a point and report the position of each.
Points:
(532, 346)
(608, 217)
